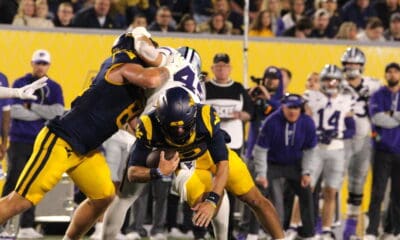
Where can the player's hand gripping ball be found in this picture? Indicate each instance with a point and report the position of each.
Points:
(153, 158)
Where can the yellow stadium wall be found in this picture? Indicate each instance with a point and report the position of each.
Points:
(77, 56)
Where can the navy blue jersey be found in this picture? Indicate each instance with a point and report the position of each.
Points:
(100, 110)
(208, 136)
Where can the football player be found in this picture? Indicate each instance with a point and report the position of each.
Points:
(332, 114)
(187, 77)
(207, 165)
(358, 148)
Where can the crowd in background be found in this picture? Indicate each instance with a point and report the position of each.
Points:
(363, 20)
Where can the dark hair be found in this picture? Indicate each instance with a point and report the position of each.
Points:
(304, 23)
(212, 29)
(185, 18)
(374, 23)
(138, 15)
(257, 23)
(163, 8)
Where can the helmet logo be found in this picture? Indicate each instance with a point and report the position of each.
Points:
(177, 123)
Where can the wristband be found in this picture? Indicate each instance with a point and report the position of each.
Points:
(155, 173)
(213, 198)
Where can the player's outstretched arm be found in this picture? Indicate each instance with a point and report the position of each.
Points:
(148, 77)
(25, 92)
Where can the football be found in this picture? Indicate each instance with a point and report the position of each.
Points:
(154, 157)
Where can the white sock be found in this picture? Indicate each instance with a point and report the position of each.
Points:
(221, 221)
(353, 210)
(66, 238)
(326, 229)
(115, 216)
(98, 226)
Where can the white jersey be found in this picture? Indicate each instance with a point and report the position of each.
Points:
(329, 113)
(361, 97)
(186, 78)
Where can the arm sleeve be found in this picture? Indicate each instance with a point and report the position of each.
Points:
(378, 113)
(307, 162)
(47, 111)
(138, 154)
(384, 120)
(260, 161)
(350, 127)
(21, 113)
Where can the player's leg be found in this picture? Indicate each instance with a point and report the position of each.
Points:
(41, 173)
(241, 184)
(357, 173)
(333, 174)
(93, 178)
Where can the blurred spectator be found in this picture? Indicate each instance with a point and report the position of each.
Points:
(393, 33)
(373, 31)
(42, 12)
(216, 25)
(97, 16)
(223, 7)
(313, 81)
(187, 24)
(8, 9)
(139, 20)
(296, 13)
(286, 78)
(347, 31)
(163, 21)
(321, 27)
(26, 16)
(302, 29)
(261, 26)
(384, 9)
(274, 8)
(335, 20)
(358, 11)
(26, 13)
(385, 116)
(254, 7)
(64, 16)
(230, 100)
(202, 10)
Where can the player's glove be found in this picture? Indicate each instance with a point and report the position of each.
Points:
(326, 136)
(27, 91)
(175, 62)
